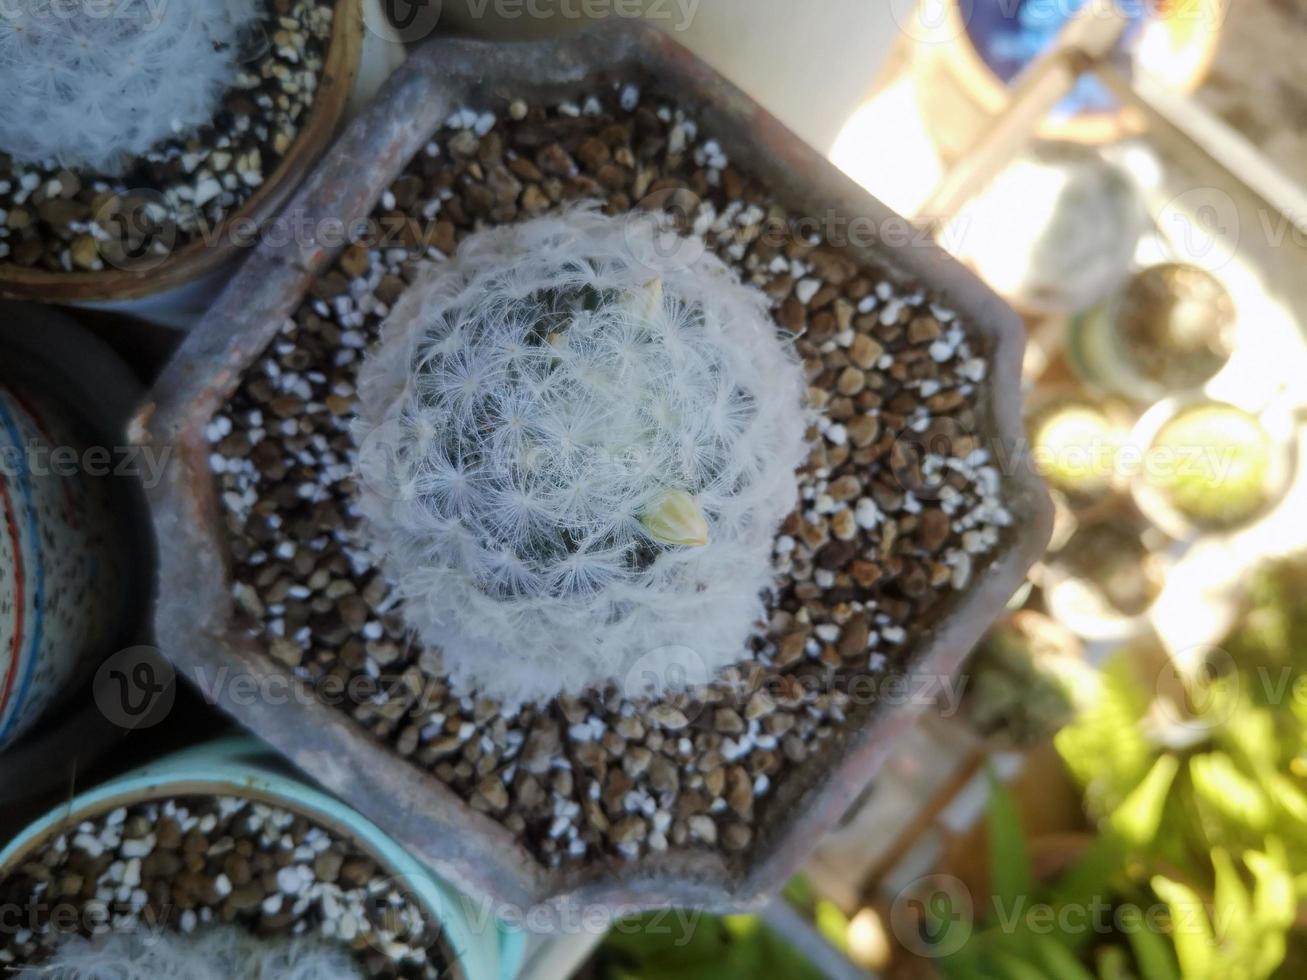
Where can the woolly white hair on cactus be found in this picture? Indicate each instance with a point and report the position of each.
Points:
(578, 440)
(214, 954)
(93, 84)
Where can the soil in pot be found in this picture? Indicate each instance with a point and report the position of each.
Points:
(195, 862)
(60, 219)
(900, 501)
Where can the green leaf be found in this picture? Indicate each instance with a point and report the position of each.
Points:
(1232, 903)
(1105, 747)
(1013, 966)
(1114, 964)
(1195, 946)
(1219, 784)
(1152, 951)
(1139, 816)
(1274, 898)
(800, 893)
(1059, 961)
(1009, 861)
(833, 924)
(1286, 796)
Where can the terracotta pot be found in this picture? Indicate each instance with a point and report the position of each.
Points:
(195, 260)
(196, 621)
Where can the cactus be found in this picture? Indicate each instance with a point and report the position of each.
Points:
(96, 84)
(578, 440)
(214, 954)
(1213, 461)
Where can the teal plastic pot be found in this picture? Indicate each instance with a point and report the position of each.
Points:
(243, 768)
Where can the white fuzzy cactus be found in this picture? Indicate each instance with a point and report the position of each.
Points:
(214, 954)
(578, 440)
(94, 84)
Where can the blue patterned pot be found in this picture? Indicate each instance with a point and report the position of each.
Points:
(60, 592)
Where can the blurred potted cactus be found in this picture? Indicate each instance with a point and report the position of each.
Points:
(1021, 681)
(1169, 330)
(1210, 466)
(1075, 442)
(1104, 580)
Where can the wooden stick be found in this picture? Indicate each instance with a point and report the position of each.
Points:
(1085, 41)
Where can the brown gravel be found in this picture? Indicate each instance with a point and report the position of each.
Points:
(186, 863)
(61, 221)
(886, 534)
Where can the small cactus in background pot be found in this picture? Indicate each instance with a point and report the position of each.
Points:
(214, 954)
(94, 84)
(578, 440)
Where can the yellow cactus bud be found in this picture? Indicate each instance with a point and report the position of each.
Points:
(676, 518)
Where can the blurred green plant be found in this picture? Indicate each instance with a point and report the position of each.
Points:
(732, 947)
(1197, 779)
(1203, 775)
(1105, 918)
(828, 917)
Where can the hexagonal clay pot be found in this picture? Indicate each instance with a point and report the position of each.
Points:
(910, 291)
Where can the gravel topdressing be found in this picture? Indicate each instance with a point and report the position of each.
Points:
(888, 532)
(54, 219)
(187, 863)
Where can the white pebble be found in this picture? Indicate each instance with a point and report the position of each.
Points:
(806, 289)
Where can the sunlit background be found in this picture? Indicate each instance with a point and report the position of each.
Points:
(1129, 759)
